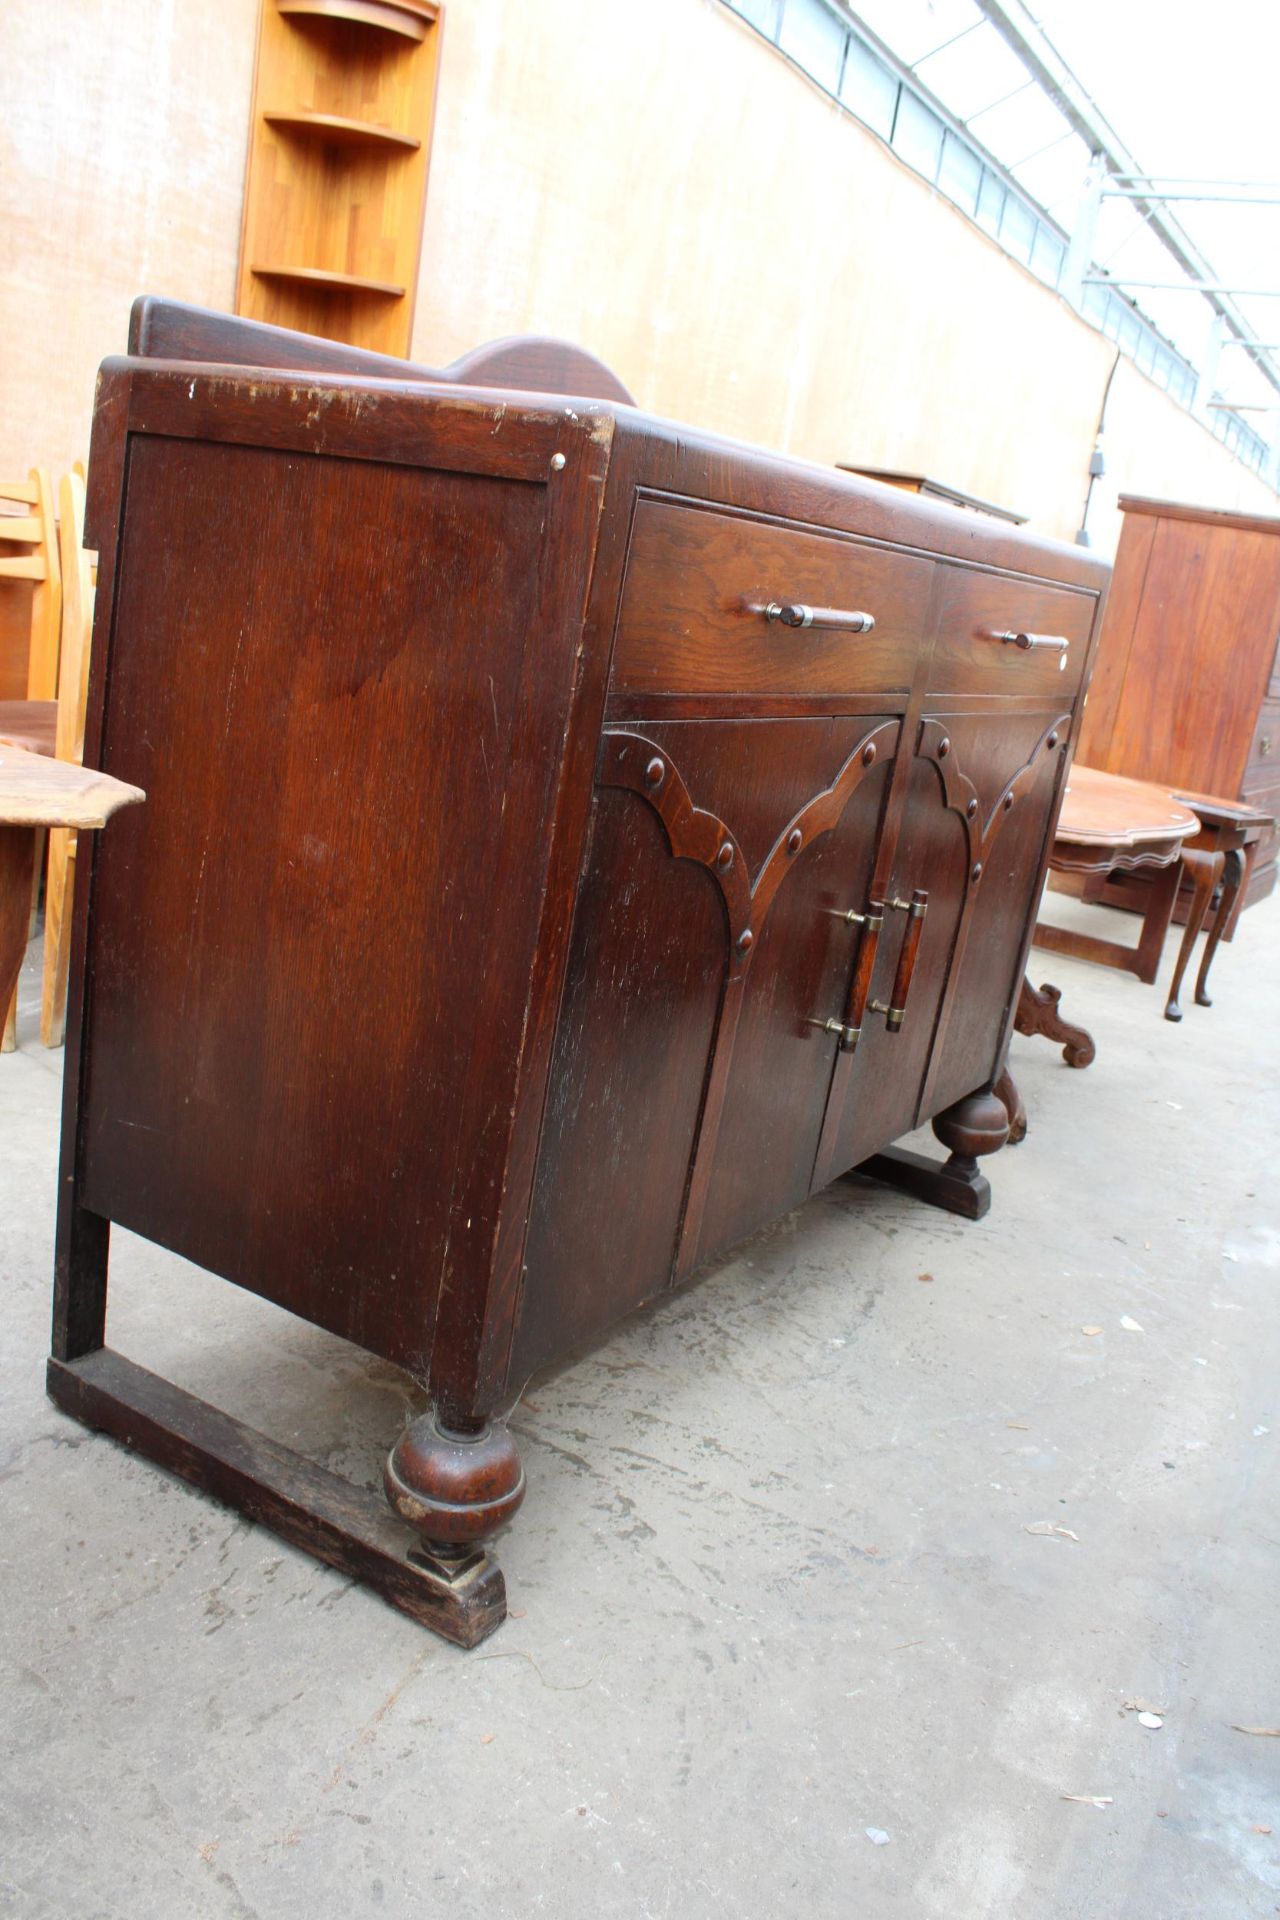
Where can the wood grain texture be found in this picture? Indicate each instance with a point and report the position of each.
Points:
(1105, 809)
(1189, 657)
(37, 791)
(355, 636)
(171, 330)
(337, 174)
(692, 616)
(231, 1094)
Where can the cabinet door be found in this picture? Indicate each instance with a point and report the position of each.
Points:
(979, 800)
(688, 1081)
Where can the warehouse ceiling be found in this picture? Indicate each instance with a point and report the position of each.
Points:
(1187, 92)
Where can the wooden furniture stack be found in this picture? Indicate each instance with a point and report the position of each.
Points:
(344, 97)
(1187, 688)
(572, 841)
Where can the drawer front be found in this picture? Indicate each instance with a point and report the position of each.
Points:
(975, 609)
(1263, 768)
(693, 618)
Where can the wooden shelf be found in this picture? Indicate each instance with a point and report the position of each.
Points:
(341, 132)
(412, 19)
(341, 140)
(330, 282)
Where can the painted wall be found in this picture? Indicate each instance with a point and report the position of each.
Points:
(651, 180)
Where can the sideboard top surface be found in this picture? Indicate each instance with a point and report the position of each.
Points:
(379, 418)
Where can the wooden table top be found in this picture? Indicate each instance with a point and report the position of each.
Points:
(36, 791)
(1108, 810)
(1214, 810)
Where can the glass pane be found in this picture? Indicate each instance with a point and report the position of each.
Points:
(869, 89)
(917, 135)
(960, 175)
(1018, 229)
(815, 39)
(1047, 254)
(761, 13)
(990, 203)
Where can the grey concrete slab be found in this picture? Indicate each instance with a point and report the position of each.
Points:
(773, 1584)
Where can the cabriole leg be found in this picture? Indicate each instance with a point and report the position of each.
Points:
(1232, 879)
(1205, 870)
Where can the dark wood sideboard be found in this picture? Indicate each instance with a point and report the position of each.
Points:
(572, 840)
(1187, 691)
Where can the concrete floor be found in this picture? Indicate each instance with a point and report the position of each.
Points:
(774, 1586)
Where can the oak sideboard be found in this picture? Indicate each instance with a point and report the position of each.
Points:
(572, 840)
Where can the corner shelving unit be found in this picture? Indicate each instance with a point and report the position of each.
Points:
(344, 96)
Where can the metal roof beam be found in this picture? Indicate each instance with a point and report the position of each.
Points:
(1041, 58)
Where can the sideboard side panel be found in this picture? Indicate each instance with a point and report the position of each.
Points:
(317, 675)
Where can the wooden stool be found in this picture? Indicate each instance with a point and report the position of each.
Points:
(35, 793)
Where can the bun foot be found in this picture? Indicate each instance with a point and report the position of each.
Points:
(977, 1124)
(454, 1489)
(1008, 1094)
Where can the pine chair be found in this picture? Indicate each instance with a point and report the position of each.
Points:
(29, 552)
(73, 689)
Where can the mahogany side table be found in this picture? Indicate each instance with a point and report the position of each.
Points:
(1106, 822)
(1220, 855)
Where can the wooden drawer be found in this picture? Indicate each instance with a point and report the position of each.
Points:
(692, 617)
(974, 608)
(1263, 767)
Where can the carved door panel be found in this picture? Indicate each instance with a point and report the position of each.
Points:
(768, 1093)
(980, 790)
(1012, 766)
(705, 939)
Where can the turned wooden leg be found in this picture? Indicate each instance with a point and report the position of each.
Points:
(1232, 880)
(1011, 1100)
(15, 905)
(1038, 1013)
(1205, 870)
(975, 1125)
(454, 1489)
(16, 856)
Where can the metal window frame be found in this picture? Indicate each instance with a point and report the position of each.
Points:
(1101, 306)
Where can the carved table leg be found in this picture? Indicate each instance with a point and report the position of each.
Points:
(975, 1125)
(1206, 871)
(1232, 879)
(1007, 1094)
(1038, 1013)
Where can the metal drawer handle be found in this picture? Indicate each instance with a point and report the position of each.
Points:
(796, 614)
(1033, 642)
(895, 1010)
(1264, 746)
(871, 922)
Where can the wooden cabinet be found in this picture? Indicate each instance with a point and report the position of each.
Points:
(1187, 689)
(570, 841)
